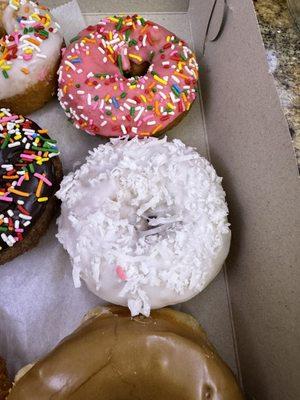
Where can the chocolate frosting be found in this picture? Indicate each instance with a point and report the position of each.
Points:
(115, 357)
(25, 149)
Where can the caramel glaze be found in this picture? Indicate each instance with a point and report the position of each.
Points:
(112, 356)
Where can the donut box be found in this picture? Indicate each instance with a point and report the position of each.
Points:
(250, 310)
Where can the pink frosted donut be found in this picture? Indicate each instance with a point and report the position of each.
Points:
(127, 76)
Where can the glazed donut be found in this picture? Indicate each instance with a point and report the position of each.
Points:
(127, 76)
(29, 55)
(30, 173)
(112, 356)
(144, 222)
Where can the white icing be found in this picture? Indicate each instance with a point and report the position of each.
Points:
(39, 67)
(166, 259)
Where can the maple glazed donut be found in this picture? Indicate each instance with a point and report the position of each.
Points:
(127, 75)
(30, 51)
(112, 356)
(30, 173)
(144, 222)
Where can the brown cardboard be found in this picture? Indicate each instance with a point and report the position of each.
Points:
(250, 310)
(250, 146)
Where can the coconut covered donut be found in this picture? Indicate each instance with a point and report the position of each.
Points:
(112, 356)
(29, 55)
(127, 75)
(144, 222)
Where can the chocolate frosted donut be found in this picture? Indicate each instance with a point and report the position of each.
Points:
(113, 357)
(30, 173)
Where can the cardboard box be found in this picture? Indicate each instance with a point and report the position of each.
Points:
(251, 310)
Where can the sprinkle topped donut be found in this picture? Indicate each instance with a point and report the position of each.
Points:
(29, 55)
(127, 76)
(29, 177)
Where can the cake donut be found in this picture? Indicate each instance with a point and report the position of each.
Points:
(30, 51)
(127, 76)
(144, 222)
(113, 356)
(30, 173)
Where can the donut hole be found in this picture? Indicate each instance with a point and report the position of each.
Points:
(207, 392)
(143, 225)
(137, 69)
(148, 219)
(152, 232)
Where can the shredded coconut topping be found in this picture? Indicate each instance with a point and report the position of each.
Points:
(145, 222)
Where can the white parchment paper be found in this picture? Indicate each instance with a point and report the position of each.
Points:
(70, 19)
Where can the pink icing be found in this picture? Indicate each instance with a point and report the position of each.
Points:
(99, 99)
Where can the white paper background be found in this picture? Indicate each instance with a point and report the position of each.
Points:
(38, 303)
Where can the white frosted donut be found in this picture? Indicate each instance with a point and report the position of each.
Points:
(145, 223)
(29, 53)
